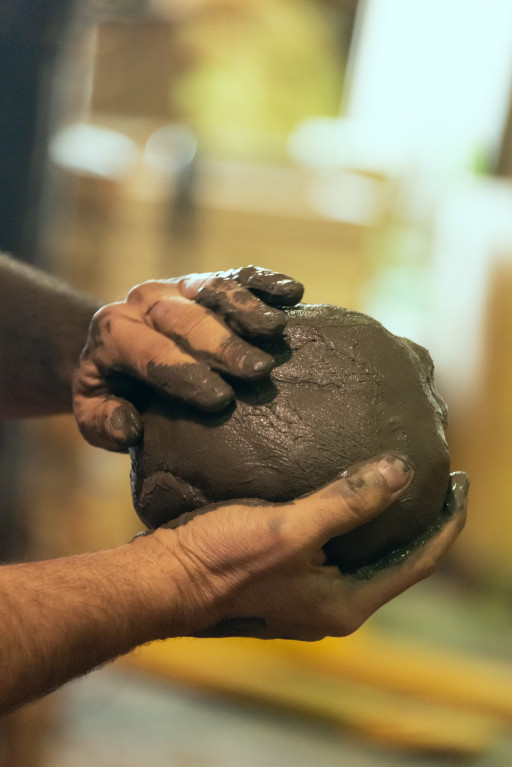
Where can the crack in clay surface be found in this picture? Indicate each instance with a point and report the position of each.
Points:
(343, 389)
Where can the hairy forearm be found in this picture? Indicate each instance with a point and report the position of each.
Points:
(64, 617)
(43, 328)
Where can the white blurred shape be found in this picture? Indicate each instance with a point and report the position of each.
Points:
(170, 149)
(349, 197)
(428, 88)
(325, 142)
(474, 232)
(396, 298)
(92, 150)
(433, 75)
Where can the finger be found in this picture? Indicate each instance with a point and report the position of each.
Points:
(206, 337)
(104, 420)
(131, 346)
(108, 422)
(405, 568)
(274, 288)
(149, 292)
(362, 493)
(243, 311)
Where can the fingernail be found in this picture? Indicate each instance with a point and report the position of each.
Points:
(292, 288)
(215, 398)
(126, 421)
(256, 363)
(460, 486)
(270, 322)
(457, 492)
(196, 384)
(397, 471)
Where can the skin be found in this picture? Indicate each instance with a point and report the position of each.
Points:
(178, 335)
(43, 326)
(247, 567)
(235, 570)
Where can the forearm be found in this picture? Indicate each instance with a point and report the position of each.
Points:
(252, 569)
(63, 618)
(43, 328)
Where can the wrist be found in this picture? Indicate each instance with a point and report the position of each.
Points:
(180, 598)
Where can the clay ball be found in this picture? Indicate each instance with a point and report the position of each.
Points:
(343, 389)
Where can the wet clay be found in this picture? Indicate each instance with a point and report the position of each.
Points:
(343, 389)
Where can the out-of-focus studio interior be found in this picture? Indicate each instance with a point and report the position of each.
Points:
(365, 148)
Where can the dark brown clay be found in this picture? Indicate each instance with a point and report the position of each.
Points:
(343, 389)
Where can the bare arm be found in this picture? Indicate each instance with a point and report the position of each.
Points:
(179, 335)
(63, 617)
(43, 327)
(251, 569)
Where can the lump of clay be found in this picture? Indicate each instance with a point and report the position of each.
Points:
(343, 389)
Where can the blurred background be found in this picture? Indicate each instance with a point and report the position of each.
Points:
(364, 147)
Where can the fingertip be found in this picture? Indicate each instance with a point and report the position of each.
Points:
(289, 292)
(397, 471)
(269, 322)
(454, 509)
(277, 321)
(124, 427)
(458, 490)
(255, 364)
(361, 493)
(212, 398)
(275, 288)
(191, 382)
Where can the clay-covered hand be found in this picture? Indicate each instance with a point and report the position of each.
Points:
(260, 570)
(178, 335)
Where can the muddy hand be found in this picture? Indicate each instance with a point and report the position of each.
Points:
(259, 569)
(245, 297)
(179, 336)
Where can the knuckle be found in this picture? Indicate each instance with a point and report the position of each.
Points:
(245, 273)
(169, 309)
(217, 283)
(196, 319)
(285, 533)
(356, 505)
(101, 316)
(101, 325)
(86, 377)
(362, 494)
(140, 292)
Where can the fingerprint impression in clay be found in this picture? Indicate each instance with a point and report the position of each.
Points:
(343, 389)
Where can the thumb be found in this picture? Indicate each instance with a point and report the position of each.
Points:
(362, 492)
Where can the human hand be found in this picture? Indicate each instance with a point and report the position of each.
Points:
(259, 569)
(177, 335)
